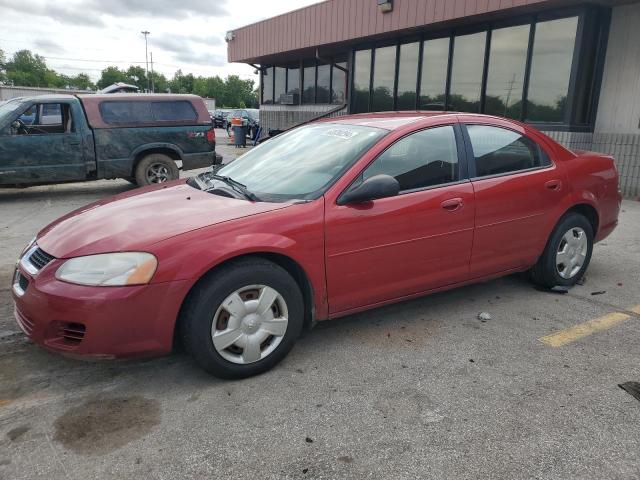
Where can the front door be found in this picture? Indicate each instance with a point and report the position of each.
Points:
(516, 188)
(398, 246)
(46, 148)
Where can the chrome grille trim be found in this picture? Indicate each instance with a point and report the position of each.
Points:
(35, 259)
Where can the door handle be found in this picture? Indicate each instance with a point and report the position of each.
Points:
(452, 204)
(553, 185)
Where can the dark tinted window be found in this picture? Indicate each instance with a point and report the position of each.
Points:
(362, 80)
(309, 84)
(384, 72)
(420, 160)
(498, 151)
(173, 111)
(408, 76)
(147, 112)
(267, 85)
(505, 80)
(433, 83)
(551, 69)
(126, 112)
(293, 81)
(339, 82)
(324, 84)
(466, 72)
(280, 83)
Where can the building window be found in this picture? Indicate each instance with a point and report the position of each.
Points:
(384, 72)
(309, 82)
(466, 72)
(551, 64)
(267, 85)
(408, 76)
(280, 83)
(433, 83)
(507, 65)
(323, 84)
(361, 81)
(339, 81)
(293, 83)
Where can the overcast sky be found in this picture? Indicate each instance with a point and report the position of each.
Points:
(88, 35)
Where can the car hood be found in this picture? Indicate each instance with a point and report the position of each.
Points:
(135, 220)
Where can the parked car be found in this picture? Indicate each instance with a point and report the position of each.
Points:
(328, 219)
(219, 118)
(250, 118)
(140, 137)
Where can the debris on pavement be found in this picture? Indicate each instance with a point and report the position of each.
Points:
(582, 280)
(601, 292)
(484, 316)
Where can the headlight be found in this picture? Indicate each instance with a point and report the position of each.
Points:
(109, 269)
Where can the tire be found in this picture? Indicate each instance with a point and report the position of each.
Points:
(205, 317)
(571, 240)
(156, 168)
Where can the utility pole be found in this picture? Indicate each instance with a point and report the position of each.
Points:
(510, 90)
(153, 86)
(146, 56)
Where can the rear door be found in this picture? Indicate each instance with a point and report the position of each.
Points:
(410, 243)
(516, 188)
(48, 150)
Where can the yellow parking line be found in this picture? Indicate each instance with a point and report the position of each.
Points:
(635, 309)
(563, 337)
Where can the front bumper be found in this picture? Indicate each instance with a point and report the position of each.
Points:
(191, 161)
(96, 321)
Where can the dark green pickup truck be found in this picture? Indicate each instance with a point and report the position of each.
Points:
(144, 138)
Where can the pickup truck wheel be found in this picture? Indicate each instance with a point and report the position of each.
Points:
(242, 319)
(156, 168)
(567, 254)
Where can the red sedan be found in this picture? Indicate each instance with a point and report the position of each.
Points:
(329, 219)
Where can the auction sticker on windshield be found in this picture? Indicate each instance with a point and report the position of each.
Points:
(343, 133)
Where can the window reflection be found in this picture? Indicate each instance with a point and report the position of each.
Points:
(309, 83)
(267, 85)
(384, 72)
(466, 74)
(293, 81)
(551, 69)
(339, 82)
(507, 63)
(435, 59)
(361, 81)
(324, 84)
(280, 83)
(408, 76)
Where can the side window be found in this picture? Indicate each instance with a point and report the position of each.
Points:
(126, 112)
(180, 111)
(498, 151)
(50, 114)
(422, 159)
(46, 118)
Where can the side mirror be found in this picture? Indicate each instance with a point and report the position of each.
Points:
(380, 186)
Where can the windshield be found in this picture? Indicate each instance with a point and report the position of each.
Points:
(303, 163)
(6, 109)
(254, 114)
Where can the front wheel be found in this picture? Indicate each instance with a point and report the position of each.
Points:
(156, 168)
(243, 319)
(567, 254)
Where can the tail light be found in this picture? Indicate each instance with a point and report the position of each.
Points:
(211, 135)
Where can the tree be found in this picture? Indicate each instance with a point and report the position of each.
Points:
(111, 75)
(3, 73)
(28, 70)
(137, 76)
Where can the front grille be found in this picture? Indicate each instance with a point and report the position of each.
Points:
(39, 258)
(25, 324)
(71, 333)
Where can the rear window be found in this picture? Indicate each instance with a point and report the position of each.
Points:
(147, 112)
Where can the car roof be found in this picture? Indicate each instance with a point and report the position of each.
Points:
(396, 120)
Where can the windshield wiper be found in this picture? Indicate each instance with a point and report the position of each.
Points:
(237, 186)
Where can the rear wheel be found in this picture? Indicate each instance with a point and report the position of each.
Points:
(243, 319)
(567, 254)
(156, 168)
